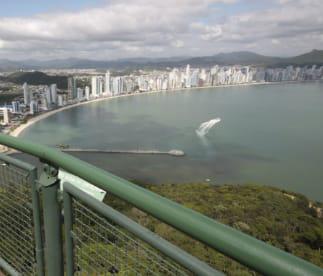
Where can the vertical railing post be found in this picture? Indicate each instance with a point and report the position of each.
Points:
(52, 221)
(68, 225)
(37, 224)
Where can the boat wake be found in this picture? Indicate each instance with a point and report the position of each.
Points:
(205, 127)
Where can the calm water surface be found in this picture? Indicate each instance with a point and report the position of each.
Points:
(269, 134)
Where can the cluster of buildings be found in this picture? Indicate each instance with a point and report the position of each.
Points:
(85, 88)
(196, 77)
(44, 99)
(35, 99)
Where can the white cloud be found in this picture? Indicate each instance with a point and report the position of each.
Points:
(2, 44)
(178, 43)
(123, 28)
(207, 32)
(275, 41)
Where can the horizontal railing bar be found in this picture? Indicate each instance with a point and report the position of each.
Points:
(247, 250)
(8, 268)
(13, 161)
(173, 252)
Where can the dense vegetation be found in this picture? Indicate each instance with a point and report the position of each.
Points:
(282, 219)
(36, 78)
(313, 57)
(8, 97)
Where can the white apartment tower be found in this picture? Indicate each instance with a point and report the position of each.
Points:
(94, 86)
(79, 93)
(6, 116)
(117, 85)
(107, 83)
(100, 85)
(33, 107)
(60, 100)
(26, 94)
(48, 95)
(87, 93)
(53, 92)
(16, 107)
(188, 76)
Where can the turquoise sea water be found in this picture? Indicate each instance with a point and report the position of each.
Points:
(268, 134)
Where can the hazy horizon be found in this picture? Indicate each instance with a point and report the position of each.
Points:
(151, 58)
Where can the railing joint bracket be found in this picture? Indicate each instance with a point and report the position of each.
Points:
(48, 177)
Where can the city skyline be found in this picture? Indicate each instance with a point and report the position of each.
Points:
(110, 30)
(42, 98)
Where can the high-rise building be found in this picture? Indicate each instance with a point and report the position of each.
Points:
(74, 87)
(100, 85)
(79, 93)
(71, 88)
(97, 85)
(26, 94)
(33, 107)
(16, 107)
(6, 115)
(87, 93)
(43, 103)
(165, 84)
(117, 85)
(53, 92)
(107, 83)
(188, 77)
(60, 101)
(48, 96)
(94, 86)
(195, 78)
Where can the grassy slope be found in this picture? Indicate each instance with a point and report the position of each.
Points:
(279, 218)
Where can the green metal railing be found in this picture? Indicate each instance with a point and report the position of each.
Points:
(249, 251)
(114, 242)
(16, 219)
(99, 239)
(20, 242)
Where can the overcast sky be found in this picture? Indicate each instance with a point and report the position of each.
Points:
(111, 29)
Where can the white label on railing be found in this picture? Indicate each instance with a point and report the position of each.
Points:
(83, 185)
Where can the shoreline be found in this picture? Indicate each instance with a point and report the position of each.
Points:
(17, 131)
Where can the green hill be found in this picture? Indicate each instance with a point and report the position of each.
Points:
(283, 219)
(37, 78)
(313, 57)
(250, 58)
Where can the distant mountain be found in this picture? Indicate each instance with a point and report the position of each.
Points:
(242, 58)
(36, 78)
(313, 57)
(250, 58)
(6, 64)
